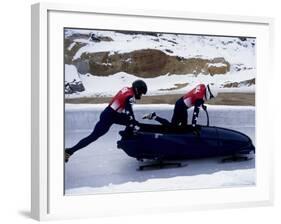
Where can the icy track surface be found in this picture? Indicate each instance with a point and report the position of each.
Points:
(103, 168)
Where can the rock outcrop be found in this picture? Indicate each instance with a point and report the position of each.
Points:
(150, 63)
(249, 82)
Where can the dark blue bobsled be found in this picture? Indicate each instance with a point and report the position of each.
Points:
(159, 142)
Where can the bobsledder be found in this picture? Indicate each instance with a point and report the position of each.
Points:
(163, 144)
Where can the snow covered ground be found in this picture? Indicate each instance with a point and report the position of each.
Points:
(95, 87)
(103, 168)
(240, 54)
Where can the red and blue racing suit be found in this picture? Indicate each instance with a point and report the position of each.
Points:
(194, 97)
(112, 114)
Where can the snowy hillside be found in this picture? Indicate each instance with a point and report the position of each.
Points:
(232, 58)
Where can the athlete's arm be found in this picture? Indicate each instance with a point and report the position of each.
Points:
(129, 107)
(196, 110)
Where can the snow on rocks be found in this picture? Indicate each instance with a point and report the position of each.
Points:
(238, 51)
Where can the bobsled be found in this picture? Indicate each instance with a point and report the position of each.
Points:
(164, 143)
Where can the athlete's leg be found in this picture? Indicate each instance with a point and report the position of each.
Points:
(153, 116)
(162, 121)
(102, 126)
(184, 117)
(180, 113)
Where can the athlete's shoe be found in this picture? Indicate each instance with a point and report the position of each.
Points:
(149, 116)
(66, 156)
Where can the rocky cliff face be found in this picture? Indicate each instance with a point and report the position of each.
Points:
(149, 63)
(145, 63)
(249, 82)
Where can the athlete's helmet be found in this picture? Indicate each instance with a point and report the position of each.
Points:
(211, 91)
(139, 88)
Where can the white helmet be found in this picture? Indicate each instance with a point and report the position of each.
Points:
(211, 91)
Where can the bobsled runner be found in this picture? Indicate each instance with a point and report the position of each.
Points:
(167, 143)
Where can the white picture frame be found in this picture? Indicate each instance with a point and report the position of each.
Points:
(48, 200)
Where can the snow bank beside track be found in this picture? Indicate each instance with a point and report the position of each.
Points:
(84, 117)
